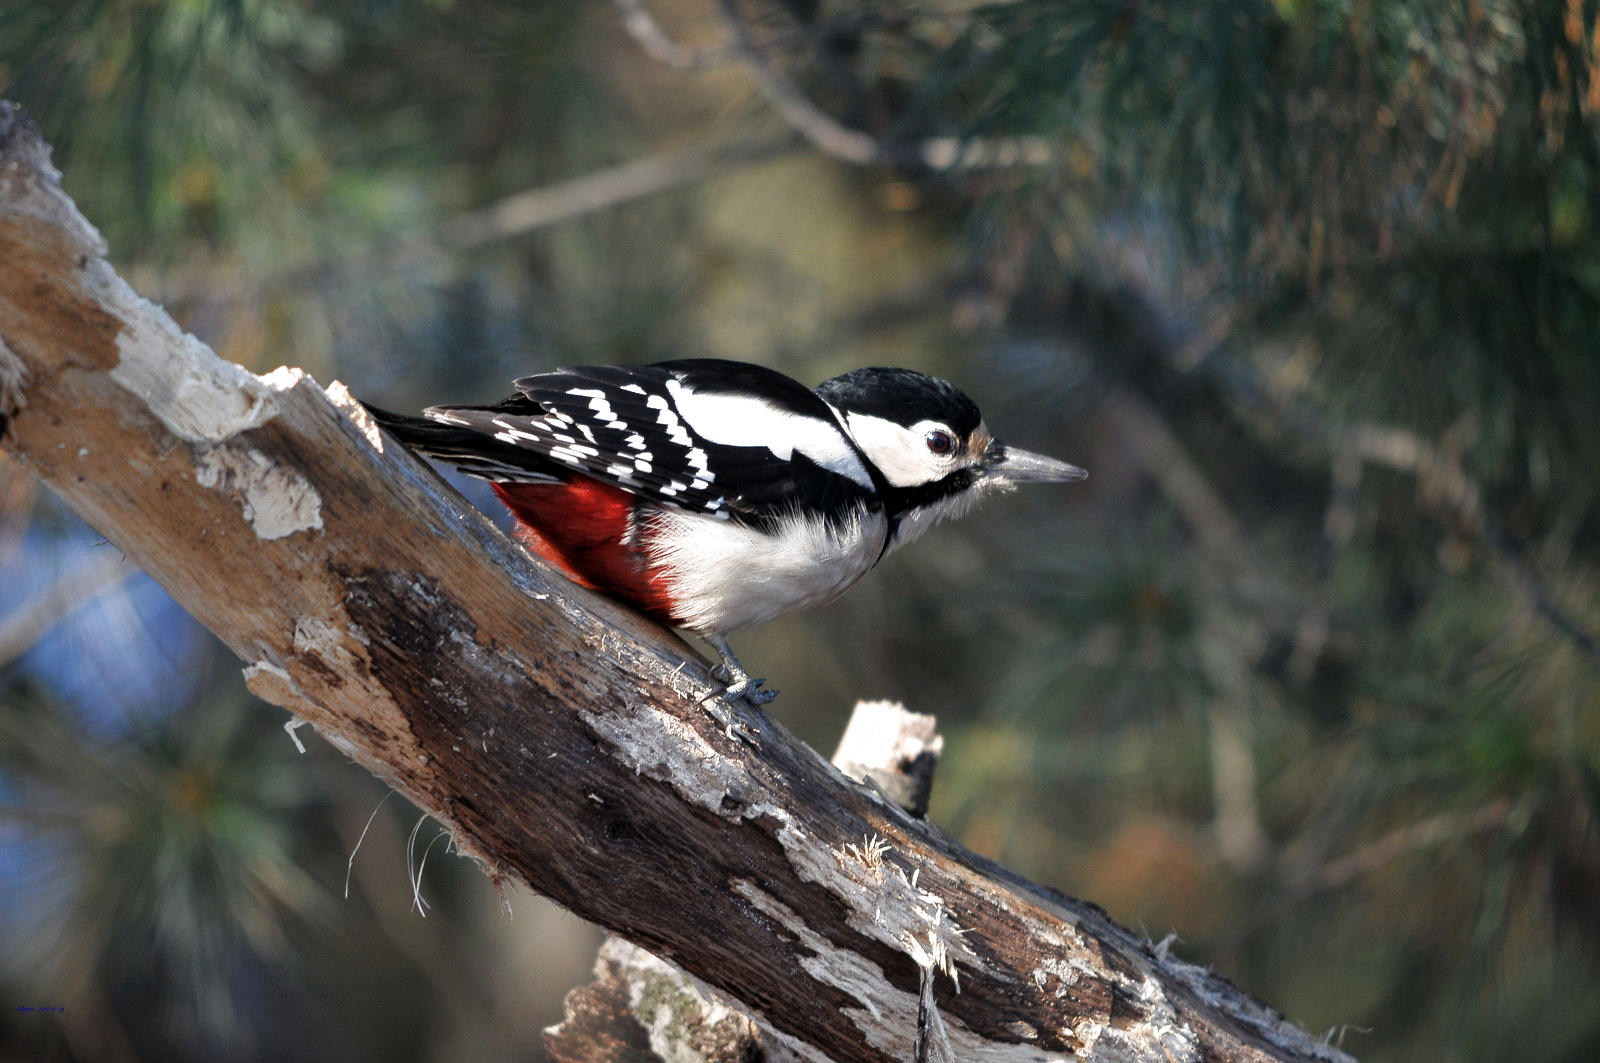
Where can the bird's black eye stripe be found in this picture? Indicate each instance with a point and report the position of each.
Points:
(940, 442)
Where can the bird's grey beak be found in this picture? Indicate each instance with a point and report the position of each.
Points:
(1025, 467)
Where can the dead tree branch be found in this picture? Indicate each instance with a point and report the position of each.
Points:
(641, 1009)
(558, 736)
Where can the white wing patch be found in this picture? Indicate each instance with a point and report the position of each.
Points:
(743, 421)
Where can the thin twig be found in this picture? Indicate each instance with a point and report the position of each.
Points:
(824, 132)
(1368, 860)
(1157, 450)
(537, 208)
(1439, 475)
(643, 28)
(1538, 599)
(1228, 637)
(75, 588)
(1424, 834)
(516, 215)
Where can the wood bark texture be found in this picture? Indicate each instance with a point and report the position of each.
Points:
(558, 736)
(640, 1009)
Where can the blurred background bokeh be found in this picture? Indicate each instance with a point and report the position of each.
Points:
(1305, 674)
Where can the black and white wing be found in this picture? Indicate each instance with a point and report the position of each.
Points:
(468, 449)
(721, 438)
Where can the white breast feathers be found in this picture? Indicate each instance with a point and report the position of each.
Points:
(724, 576)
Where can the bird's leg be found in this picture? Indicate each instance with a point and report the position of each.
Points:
(740, 683)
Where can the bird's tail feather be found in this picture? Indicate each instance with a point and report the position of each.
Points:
(474, 452)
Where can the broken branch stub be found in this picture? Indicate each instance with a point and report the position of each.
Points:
(894, 749)
(558, 736)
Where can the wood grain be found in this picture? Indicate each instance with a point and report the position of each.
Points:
(559, 737)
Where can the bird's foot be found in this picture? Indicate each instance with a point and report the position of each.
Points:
(745, 686)
(749, 687)
(741, 684)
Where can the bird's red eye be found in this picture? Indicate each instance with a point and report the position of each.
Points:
(940, 442)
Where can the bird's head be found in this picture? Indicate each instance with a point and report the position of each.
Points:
(930, 446)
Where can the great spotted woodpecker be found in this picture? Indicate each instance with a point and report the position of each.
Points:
(715, 496)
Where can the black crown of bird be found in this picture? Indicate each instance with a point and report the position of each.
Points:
(716, 495)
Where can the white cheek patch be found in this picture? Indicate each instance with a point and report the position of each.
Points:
(742, 421)
(902, 453)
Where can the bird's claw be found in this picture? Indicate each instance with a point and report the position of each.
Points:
(749, 687)
(740, 683)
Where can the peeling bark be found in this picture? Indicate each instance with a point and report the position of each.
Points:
(641, 1009)
(558, 736)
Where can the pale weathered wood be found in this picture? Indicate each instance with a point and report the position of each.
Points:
(894, 749)
(558, 736)
(641, 1009)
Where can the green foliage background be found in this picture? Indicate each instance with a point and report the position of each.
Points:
(1306, 673)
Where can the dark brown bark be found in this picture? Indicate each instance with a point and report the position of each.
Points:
(642, 1010)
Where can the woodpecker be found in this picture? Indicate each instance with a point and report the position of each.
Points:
(714, 495)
